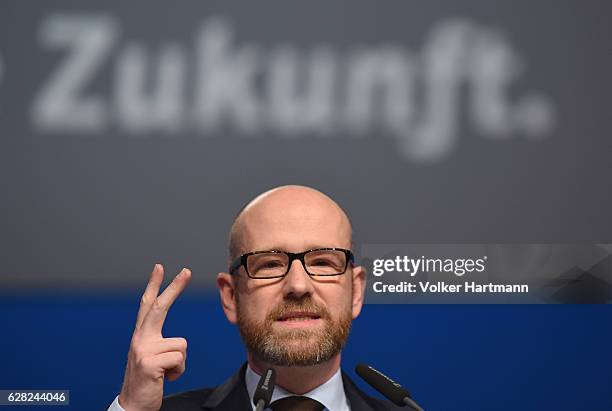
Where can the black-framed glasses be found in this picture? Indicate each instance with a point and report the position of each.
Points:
(275, 264)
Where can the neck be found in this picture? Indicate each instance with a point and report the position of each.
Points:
(298, 380)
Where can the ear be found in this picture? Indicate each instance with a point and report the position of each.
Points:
(227, 292)
(359, 283)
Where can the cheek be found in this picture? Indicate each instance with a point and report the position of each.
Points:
(338, 302)
(255, 307)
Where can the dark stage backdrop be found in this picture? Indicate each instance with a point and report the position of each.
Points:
(132, 132)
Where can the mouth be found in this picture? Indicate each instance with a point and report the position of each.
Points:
(296, 316)
(298, 319)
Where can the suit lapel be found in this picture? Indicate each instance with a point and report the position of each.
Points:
(354, 395)
(232, 395)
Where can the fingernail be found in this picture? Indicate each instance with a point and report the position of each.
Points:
(179, 275)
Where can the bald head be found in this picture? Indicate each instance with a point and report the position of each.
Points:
(290, 216)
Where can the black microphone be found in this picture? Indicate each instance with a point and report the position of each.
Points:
(265, 388)
(386, 386)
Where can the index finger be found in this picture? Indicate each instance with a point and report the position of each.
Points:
(150, 293)
(154, 320)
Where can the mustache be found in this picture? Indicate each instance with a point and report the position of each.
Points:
(306, 305)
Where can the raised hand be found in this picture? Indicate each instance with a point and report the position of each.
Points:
(153, 357)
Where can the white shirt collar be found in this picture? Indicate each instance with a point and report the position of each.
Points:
(330, 394)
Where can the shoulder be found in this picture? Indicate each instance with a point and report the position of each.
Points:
(359, 400)
(186, 400)
(381, 404)
(232, 395)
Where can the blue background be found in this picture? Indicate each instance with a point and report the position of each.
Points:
(452, 357)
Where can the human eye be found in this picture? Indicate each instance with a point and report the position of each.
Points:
(267, 264)
(322, 262)
(272, 264)
(325, 262)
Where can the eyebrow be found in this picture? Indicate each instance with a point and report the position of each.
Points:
(311, 246)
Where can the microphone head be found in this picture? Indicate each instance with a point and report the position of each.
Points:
(265, 388)
(383, 384)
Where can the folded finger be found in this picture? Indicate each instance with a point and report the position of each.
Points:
(169, 345)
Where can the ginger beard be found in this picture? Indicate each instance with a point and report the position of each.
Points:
(294, 346)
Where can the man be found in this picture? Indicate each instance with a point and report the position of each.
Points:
(291, 287)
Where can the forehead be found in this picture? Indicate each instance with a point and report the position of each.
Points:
(294, 223)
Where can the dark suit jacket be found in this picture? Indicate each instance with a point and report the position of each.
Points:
(232, 395)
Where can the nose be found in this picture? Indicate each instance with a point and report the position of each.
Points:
(297, 282)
